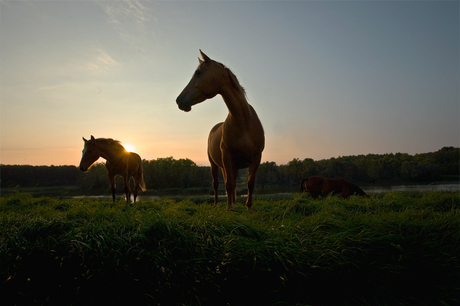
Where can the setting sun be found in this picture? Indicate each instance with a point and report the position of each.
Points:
(129, 147)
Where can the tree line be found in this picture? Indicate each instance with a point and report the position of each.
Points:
(370, 168)
(167, 173)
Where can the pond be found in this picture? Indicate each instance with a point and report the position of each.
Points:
(437, 186)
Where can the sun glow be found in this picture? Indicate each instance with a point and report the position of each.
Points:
(128, 147)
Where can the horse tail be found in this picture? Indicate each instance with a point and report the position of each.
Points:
(141, 173)
(302, 187)
(142, 182)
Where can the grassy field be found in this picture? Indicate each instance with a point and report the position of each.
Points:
(390, 249)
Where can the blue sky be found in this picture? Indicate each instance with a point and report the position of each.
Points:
(327, 78)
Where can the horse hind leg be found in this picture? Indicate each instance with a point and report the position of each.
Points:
(136, 189)
(346, 192)
(137, 183)
(127, 189)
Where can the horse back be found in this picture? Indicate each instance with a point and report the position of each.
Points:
(135, 163)
(322, 186)
(129, 163)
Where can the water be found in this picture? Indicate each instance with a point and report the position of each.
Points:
(413, 187)
(438, 186)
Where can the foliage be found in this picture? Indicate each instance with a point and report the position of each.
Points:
(394, 248)
(30, 176)
(171, 173)
(397, 167)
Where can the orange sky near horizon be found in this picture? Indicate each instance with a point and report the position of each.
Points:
(326, 78)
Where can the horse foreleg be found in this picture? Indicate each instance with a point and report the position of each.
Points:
(112, 185)
(233, 193)
(345, 192)
(251, 182)
(230, 186)
(314, 195)
(215, 181)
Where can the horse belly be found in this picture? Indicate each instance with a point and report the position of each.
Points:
(241, 159)
(241, 147)
(244, 150)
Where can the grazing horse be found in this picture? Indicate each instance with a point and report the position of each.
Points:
(236, 143)
(322, 186)
(119, 162)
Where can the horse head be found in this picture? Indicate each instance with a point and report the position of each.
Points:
(206, 83)
(90, 154)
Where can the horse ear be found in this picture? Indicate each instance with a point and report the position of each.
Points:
(205, 57)
(200, 61)
(92, 138)
(84, 139)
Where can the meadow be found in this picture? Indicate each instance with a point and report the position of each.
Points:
(396, 248)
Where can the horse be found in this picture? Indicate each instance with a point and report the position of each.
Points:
(237, 142)
(118, 162)
(322, 186)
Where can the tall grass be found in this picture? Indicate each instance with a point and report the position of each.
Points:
(394, 248)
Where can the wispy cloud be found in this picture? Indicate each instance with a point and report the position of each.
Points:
(101, 61)
(126, 11)
(132, 19)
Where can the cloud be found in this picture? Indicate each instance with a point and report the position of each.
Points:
(126, 11)
(132, 19)
(101, 61)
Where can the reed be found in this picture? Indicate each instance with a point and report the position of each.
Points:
(393, 248)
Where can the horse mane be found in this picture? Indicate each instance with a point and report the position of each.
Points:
(113, 144)
(234, 80)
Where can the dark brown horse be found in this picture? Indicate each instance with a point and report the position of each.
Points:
(236, 143)
(322, 186)
(119, 162)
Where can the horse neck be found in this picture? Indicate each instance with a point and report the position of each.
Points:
(238, 107)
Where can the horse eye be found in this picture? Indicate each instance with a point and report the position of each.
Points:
(197, 73)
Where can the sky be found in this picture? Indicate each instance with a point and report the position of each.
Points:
(327, 78)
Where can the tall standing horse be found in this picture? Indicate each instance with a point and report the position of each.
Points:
(322, 186)
(236, 143)
(118, 162)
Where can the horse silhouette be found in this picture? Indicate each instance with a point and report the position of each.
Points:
(119, 162)
(322, 186)
(236, 143)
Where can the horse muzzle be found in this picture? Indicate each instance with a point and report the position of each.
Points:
(183, 105)
(83, 168)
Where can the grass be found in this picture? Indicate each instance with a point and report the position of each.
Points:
(393, 248)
